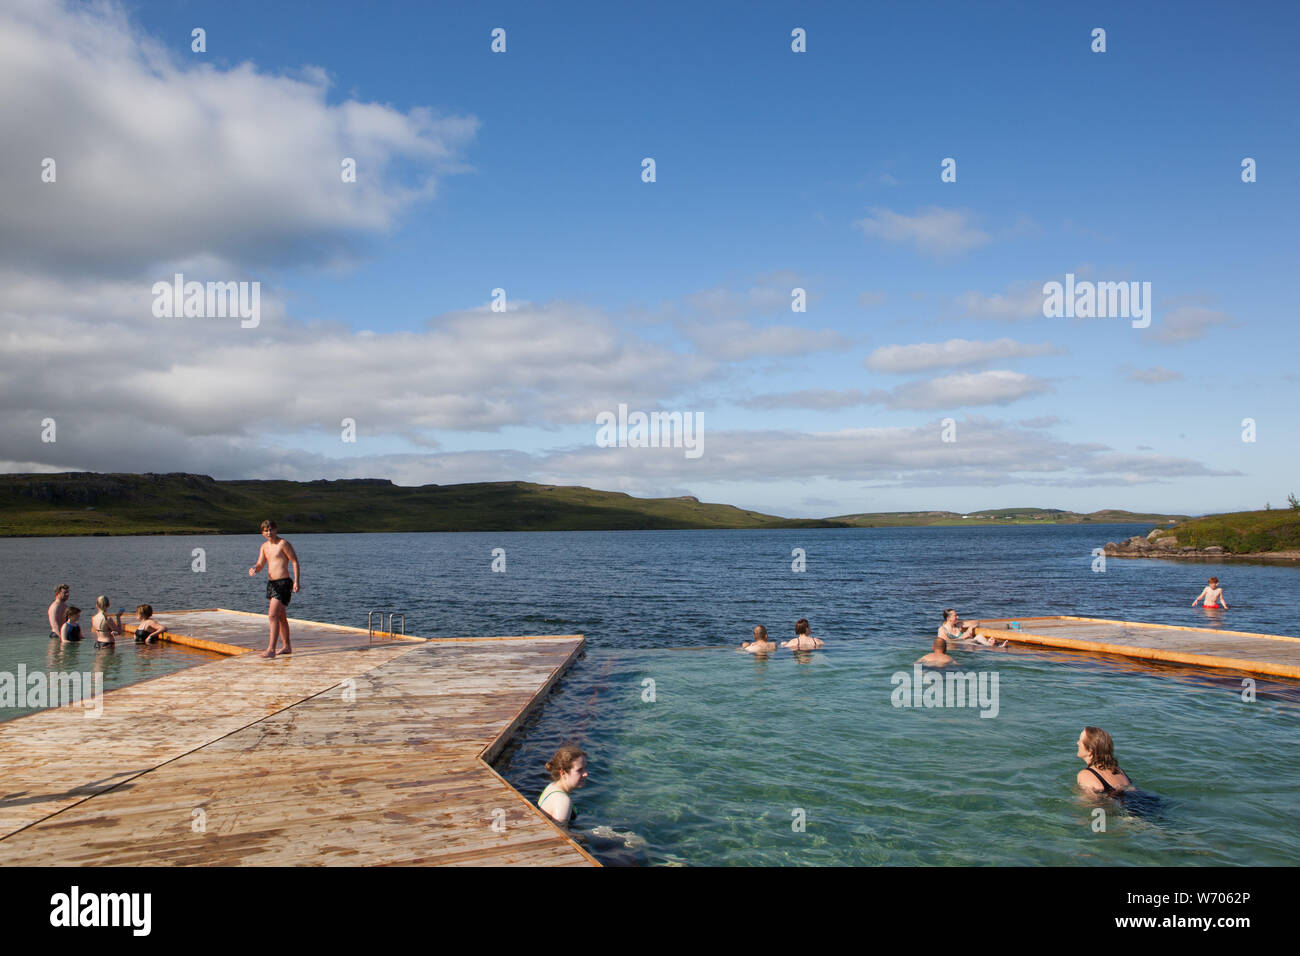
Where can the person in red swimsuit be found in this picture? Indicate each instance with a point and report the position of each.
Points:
(1212, 595)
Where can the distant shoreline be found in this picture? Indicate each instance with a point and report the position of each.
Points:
(87, 504)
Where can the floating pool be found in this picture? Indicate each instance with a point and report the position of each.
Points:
(728, 760)
(125, 663)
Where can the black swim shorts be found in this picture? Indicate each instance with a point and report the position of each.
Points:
(280, 588)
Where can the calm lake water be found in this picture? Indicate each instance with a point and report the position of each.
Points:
(700, 755)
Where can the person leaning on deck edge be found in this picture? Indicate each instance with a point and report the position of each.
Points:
(276, 554)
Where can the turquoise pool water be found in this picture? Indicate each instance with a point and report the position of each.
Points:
(731, 752)
(25, 654)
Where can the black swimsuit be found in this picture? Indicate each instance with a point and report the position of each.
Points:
(1109, 791)
(281, 588)
(74, 633)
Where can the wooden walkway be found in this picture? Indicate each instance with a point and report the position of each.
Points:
(343, 753)
(1199, 646)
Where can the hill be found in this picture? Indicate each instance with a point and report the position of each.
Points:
(85, 503)
(82, 503)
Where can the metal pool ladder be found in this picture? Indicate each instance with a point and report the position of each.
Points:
(392, 615)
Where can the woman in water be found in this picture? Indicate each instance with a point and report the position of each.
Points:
(955, 629)
(148, 630)
(105, 627)
(1102, 775)
(803, 640)
(568, 770)
(1212, 595)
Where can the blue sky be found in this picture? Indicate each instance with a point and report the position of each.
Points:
(775, 170)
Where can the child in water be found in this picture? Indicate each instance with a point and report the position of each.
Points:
(71, 626)
(1212, 594)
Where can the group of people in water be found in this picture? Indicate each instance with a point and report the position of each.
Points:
(568, 767)
(1101, 775)
(65, 621)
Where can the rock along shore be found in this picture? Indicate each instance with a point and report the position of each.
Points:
(1161, 544)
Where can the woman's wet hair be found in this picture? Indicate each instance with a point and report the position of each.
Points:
(1098, 743)
(144, 612)
(564, 760)
(760, 632)
(102, 602)
(73, 611)
(801, 626)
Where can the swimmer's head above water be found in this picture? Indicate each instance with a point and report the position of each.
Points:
(568, 767)
(940, 646)
(760, 634)
(1097, 749)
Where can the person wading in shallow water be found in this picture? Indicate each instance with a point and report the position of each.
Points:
(276, 555)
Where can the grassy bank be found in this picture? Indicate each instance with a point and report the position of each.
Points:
(1242, 532)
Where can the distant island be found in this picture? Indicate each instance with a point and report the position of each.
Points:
(86, 503)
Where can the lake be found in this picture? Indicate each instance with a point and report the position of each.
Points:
(700, 755)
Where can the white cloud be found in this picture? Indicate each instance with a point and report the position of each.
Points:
(934, 231)
(161, 158)
(1020, 300)
(818, 398)
(1152, 376)
(1186, 324)
(737, 340)
(962, 389)
(950, 354)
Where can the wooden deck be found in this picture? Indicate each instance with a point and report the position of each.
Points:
(343, 753)
(1270, 654)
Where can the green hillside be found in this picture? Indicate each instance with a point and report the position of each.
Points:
(87, 504)
(1242, 532)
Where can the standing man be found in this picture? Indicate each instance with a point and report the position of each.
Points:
(58, 612)
(276, 555)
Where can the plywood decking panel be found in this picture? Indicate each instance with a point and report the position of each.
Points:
(1271, 654)
(332, 756)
